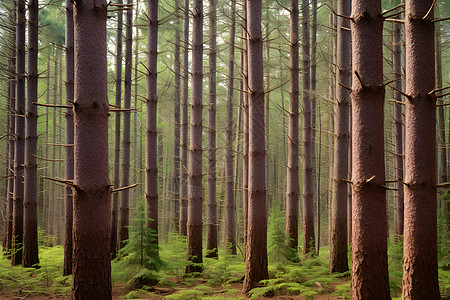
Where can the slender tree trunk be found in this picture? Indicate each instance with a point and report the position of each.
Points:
(19, 156)
(184, 122)
(420, 270)
(256, 250)
(176, 112)
(194, 221)
(11, 139)
(313, 97)
(370, 272)
(117, 128)
(211, 244)
(245, 143)
(151, 163)
(441, 115)
(91, 189)
(338, 245)
(69, 155)
(30, 229)
(398, 123)
(307, 155)
(124, 219)
(292, 189)
(230, 202)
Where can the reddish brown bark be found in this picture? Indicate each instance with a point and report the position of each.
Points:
(19, 147)
(117, 129)
(184, 122)
(151, 170)
(369, 245)
(30, 225)
(307, 154)
(338, 245)
(420, 271)
(256, 249)
(69, 155)
(230, 203)
(124, 216)
(91, 261)
(292, 189)
(194, 221)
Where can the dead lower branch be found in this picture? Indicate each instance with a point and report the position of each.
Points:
(124, 188)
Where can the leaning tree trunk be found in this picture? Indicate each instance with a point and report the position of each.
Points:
(91, 187)
(184, 122)
(30, 228)
(117, 129)
(338, 245)
(19, 156)
(230, 203)
(68, 197)
(151, 163)
(369, 245)
(256, 249)
(211, 218)
(308, 176)
(124, 219)
(420, 269)
(292, 189)
(194, 221)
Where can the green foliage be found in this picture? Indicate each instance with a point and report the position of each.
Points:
(221, 272)
(185, 295)
(277, 249)
(344, 290)
(174, 252)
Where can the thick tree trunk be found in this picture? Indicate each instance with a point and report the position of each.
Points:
(307, 155)
(176, 122)
(30, 229)
(69, 155)
(124, 216)
(369, 245)
(92, 211)
(398, 123)
(420, 270)
(256, 250)
(194, 221)
(151, 163)
(19, 156)
(230, 202)
(211, 217)
(292, 189)
(117, 129)
(184, 122)
(338, 245)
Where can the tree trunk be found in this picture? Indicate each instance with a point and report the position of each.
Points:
(420, 270)
(398, 123)
(184, 122)
(230, 202)
(176, 112)
(117, 128)
(151, 170)
(19, 156)
(124, 218)
(194, 221)
(292, 189)
(30, 229)
(441, 115)
(211, 218)
(256, 250)
(245, 143)
(338, 245)
(11, 131)
(69, 155)
(370, 269)
(91, 187)
(307, 155)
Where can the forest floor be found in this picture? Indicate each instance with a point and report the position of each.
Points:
(221, 278)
